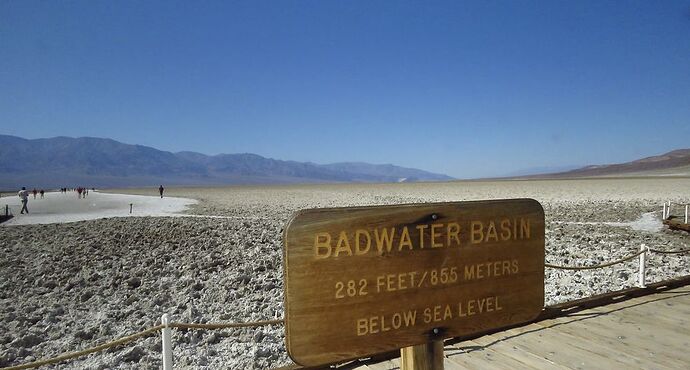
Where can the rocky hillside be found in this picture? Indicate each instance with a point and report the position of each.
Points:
(676, 162)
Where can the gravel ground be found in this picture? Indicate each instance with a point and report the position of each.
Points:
(65, 287)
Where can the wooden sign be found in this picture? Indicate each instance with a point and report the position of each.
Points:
(366, 280)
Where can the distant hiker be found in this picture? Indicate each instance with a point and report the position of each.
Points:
(24, 195)
(160, 190)
(42, 192)
(35, 192)
(79, 190)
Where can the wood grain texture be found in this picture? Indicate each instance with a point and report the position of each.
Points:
(427, 356)
(648, 332)
(674, 223)
(366, 280)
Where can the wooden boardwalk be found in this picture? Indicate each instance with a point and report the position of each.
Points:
(676, 223)
(647, 332)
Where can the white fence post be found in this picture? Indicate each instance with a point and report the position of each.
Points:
(686, 213)
(666, 213)
(167, 343)
(643, 273)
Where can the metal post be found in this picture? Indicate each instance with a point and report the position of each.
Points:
(130, 208)
(167, 344)
(643, 273)
(7, 211)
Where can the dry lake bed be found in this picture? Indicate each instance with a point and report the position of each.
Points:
(71, 286)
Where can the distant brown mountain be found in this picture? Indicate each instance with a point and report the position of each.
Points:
(674, 163)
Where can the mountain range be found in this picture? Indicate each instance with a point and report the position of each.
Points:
(673, 163)
(97, 162)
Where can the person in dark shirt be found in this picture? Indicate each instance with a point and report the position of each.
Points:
(160, 190)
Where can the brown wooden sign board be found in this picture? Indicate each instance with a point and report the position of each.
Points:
(366, 280)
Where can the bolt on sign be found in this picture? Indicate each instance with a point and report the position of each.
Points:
(366, 280)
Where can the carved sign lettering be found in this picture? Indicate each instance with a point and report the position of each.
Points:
(366, 280)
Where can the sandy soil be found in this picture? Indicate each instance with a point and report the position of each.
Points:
(69, 286)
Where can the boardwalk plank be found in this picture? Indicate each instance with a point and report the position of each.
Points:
(648, 332)
(515, 351)
(449, 364)
(674, 301)
(558, 333)
(550, 345)
(674, 328)
(604, 344)
(384, 365)
(472, 355)
(630, 339)
(656, 319)
(622, 328)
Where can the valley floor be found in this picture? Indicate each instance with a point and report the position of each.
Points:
(70, 286)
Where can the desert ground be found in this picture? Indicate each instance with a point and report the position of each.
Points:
(73, 285)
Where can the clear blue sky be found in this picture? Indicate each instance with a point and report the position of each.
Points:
(469, 89)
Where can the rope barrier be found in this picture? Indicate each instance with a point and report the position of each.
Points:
(596, 266)
(69, 356)
(226, 326)
(669, 252)
(129, 338)
(147, 332)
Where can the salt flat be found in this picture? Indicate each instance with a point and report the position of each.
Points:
(56, 207)
(67, 286)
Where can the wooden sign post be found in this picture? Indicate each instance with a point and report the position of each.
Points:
(367, 280)
(427, 356)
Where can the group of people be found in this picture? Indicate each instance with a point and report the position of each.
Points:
(24, 195)
(35, 192)
(81, 193)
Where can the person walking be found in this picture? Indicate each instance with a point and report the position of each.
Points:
(24, 196)
(35, 192)
(160, 190)
(42, 192)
